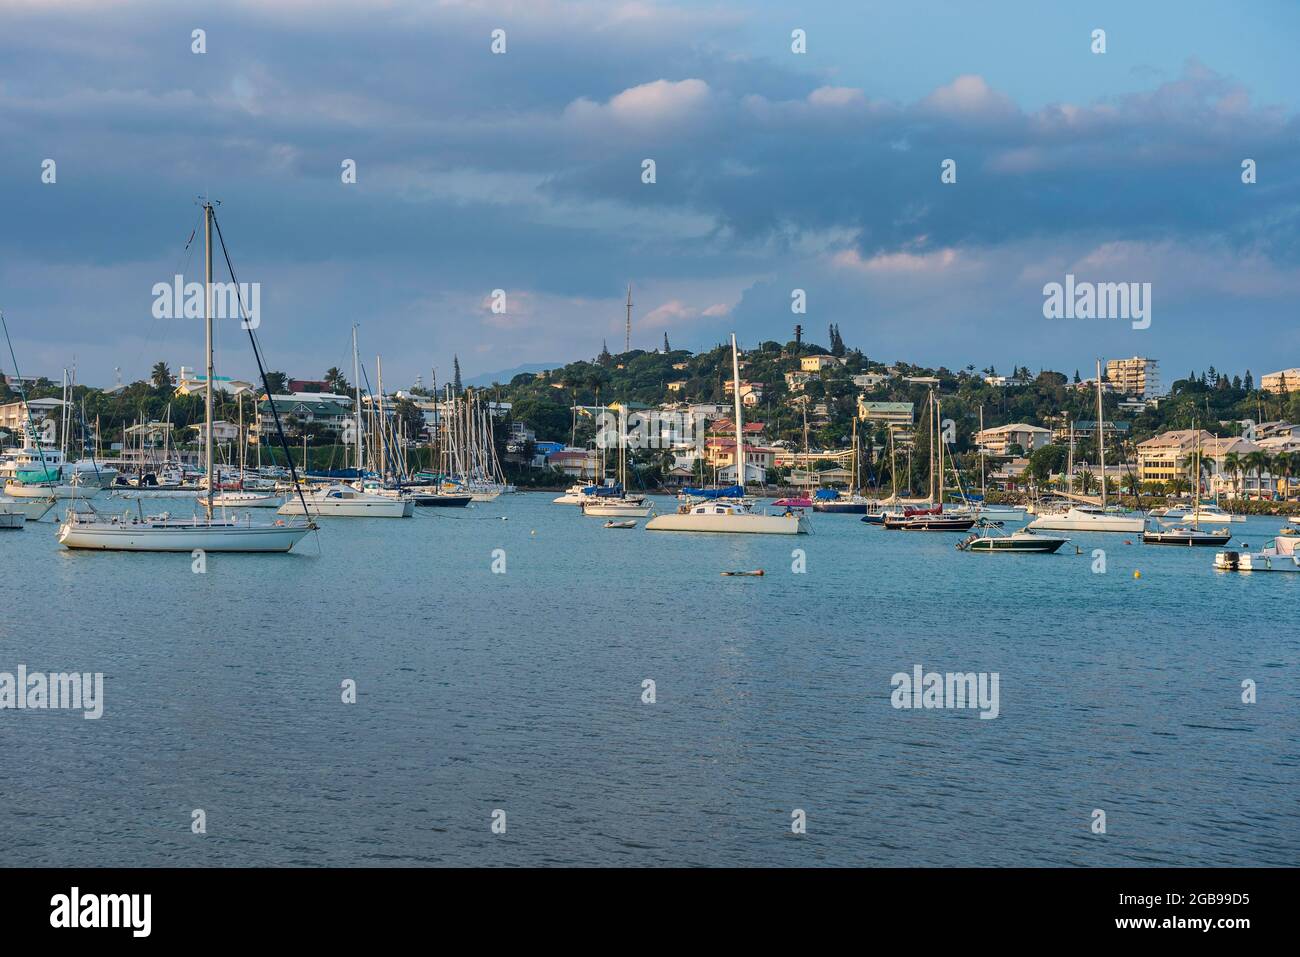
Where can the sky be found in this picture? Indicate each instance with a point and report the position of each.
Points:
(775, 171)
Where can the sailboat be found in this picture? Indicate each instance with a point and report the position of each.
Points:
(162, 533)
(1189, 534)
(344, 501)
(617, 506)
(933, 517)
(1092, 518)
(731, 515)
(849, 502)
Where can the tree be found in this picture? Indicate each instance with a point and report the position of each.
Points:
(335, 381)
(1233, 465)
(1257, 462)
(161, 376)
(456, 387)
(277, 382)
(1249, 383)
(666, 348)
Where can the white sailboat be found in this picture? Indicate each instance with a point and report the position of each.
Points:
(344, 501)
(617, 506)
(162, 533)
(1092, 518)
(722, 515)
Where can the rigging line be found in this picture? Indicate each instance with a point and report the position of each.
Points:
(389, 458)
(22, 394)
(257, 354)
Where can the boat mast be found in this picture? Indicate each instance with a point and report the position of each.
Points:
(983, 484)
(207, 324)
(1101, 437)
(740, 427)
(356, 384)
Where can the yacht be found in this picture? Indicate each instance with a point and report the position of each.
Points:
(1210, 512)
(1088, 518)
(1186, 535)
(343, 501)
(1278, 555)
(162, 533)
(723, 515)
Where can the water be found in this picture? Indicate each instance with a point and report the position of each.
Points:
(522, 691)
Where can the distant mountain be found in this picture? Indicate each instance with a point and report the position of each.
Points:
(505, 375)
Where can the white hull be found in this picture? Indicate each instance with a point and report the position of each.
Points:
(244, 500)
(629, 510)
(32, 509)
(18, 490)
(393, 509)
(1078, 521)
(484, 496)
(1000, 513)
(569, 498)
(793, 524)
(185, 536)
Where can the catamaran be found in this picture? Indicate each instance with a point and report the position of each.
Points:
(731, 515)
(162, 533)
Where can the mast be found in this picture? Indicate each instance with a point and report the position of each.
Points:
(740, 427)
(207, 325)
(983, 483)
(356, 385)
(627, 334)
(1101, 437)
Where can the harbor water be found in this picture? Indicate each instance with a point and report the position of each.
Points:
(501, 655)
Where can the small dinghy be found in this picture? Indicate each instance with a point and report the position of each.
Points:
(627, 524)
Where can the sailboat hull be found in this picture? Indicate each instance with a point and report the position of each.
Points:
(793, 524)
(31, 509)
(1075, 521)
(179, 537)
(388, 508)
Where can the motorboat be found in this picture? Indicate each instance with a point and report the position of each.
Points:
(1189, 535)
(31, 509)
(1088, 518)
(344, 501)
(606, 507)
(1278, 555)
(990, 539)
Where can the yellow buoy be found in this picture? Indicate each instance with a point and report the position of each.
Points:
(1136, 573)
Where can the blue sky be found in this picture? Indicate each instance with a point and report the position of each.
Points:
(775, 171)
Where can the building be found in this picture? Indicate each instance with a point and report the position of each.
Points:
(818, 363)
(1161, 457)
(890, 413)
(13, 415)
(1004, 381)
(1281, 383)
(1085, 429)
(190, 381)
(677, 386)
(789, 459)
(1136, 376)
(720, 453)
(223, 432)
(301, 409)
(795, 381)
(575, 463)
(1001, 439)
(870, 381)
(751, 393)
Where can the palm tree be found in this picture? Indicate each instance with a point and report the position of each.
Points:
(161, 376)
(1257, 462)
(335, 381)
(1232, 464)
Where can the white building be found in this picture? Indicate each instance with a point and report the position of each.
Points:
(1000, 439)
(1287, 380)
(1136, 376)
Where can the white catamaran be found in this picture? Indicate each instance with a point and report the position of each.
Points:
(162, 533)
